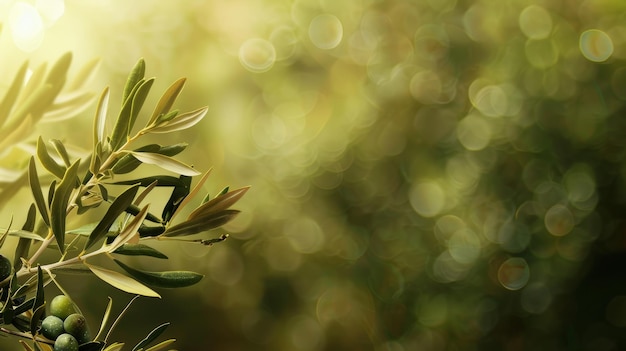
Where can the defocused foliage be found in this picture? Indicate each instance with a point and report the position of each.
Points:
(427, 175)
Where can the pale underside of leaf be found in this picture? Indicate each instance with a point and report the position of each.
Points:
(180, 122)
(165, 162)
(122, 282)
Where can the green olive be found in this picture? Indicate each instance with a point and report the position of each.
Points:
(5, 267)
(61, 306)
(66, 342)
(52, 327)
(76, 325)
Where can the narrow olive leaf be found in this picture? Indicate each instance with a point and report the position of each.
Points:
(99, 122)
(167, 100)
(172, 150)
(134, 210)
(92, 346)
(201, 224)
(169, 279)
(58, 71)
(192, 193)
(84, 75)
(114, 347)
(16, 132)
(61, 151)
(105, 318)
(155, 333)
(24, 306)
(35, 188)
(128, 163)
(51, 191)
(39, 295)
(58, 208)
(162, 180)
(146, 231)
(219, 203)
(130, 231)
(25, 345)
(12, 93)
(180, 122)
(12, 188)
(166, 117)
(138, 99)
(162, 345)
(26, 235)
(135, 75)
(67, 106)
(34, 81)
(38, 315)
(139, 250)
(47, 161)
(122, 282)
(165, 162)
(179, 193)
(23, 244)
(120, 130)
(117, 208)
(34, 104)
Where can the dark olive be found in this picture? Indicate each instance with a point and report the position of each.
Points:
(61, 306)
(66, 342)
(76, 325)
(5, 268)
(52, 327)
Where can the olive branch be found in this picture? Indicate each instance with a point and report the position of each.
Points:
(76, 186)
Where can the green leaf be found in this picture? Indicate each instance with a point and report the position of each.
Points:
(58, 72)
(99, 122)
(201, 224)
(169, 279)
(120, 130)
(23, 244)
(165, 162)
(122, 282)
(167, 100)
(25, 234)
(138, 99)
(38, 315)
(166, 117)
(58, 208)
(179, 193)
(118, 207)
(12, 93)
(84, 74)
(39, 295)
(219, 203)
(155, 333)
(139, 250)
(134, 77)
(92, 346)
(130, 231)
(35, 188)
(180, 122)
(191, 195)
(162, 345)
(162, 180)
(105, 318)
(34, 104)
(47, 161)
(114, 347)
(35, 81)
(61, 151)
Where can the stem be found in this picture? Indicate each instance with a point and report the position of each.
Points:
(42, 248)
(24, 335)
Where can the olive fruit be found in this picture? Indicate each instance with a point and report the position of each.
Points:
(52, 327)
(66, 342)
(76, 325)
(5, 267)
(61, 306)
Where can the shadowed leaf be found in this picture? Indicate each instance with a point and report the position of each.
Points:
(219, 203)
(119, 205)
(58, 208)
(47, 161)
(155, 333)
(169, 279)
(139, 250)
(35, 188)
(201, 224)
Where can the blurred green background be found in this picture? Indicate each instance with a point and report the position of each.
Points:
(426, 175)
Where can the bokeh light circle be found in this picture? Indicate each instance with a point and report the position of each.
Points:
(427, 198)
(326, 31)
(559, 220)
(514, 273)
(535, 22)
(257, 55)
(26, 26)
(596, 45)
(473, 132)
